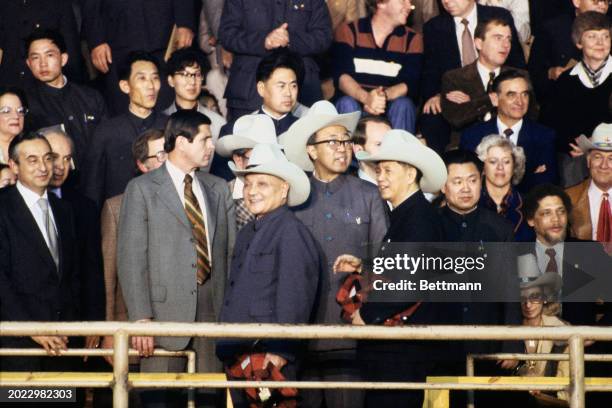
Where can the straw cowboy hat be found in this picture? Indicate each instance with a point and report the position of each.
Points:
(530, 276)
(248, 131)
(268, 158)
(322, 114)
(399, 145)
(600, 140)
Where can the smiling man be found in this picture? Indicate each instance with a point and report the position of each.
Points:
(109, 165)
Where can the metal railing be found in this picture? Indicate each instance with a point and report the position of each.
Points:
(574, 335)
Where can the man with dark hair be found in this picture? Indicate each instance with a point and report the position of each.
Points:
(108, 167)
(368, 136)
(176, 231)
(187, 69)
(449, 44)
(512, 96)
(55, 100)
(252, 29)
(39, 276)
(377, 64)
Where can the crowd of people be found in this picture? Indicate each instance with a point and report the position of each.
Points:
(243, 161)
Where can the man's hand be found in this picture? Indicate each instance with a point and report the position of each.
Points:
(184, 37)
(275, 359)
(101, 56)
(91, 342)
(508, 364)
(144, 344)
(458, 97)
(52, 344)
(541, 169)
(555, 72)
(347, 263)
(226, 58)
(356, 319)
(108, 343)
(433, 105)
(575, 150)
(376, 101)
(279, 37)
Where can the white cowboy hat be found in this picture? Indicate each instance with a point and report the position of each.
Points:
(530, 276)
(269, 159)
(248, 131)
(600, 140)
(399, 145)
(322, 114)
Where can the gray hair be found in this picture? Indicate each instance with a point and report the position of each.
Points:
(518, 154)
(56, 130)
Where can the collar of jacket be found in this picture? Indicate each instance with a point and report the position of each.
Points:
(330, 187)
(261, 222)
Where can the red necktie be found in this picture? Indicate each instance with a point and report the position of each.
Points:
(604, 223)
(552, 263)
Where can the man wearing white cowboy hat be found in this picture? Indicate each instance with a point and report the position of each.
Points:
(249, 130)
(591, 217)
(345, 215)
(405, 168)
(275, 269)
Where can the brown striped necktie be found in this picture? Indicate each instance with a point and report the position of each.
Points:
(198, 228)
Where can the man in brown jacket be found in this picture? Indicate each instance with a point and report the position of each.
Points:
(148, 153)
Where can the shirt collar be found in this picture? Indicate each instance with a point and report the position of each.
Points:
(137, 120)
(516, 128)
(261, 222)
(472, 19)
(459, 218)
(596, 192)
(366, 177)
(266, 112)
(238, 188)
(177, 175)
(29, 196)
(584, 78)
(330, 186)
(365, 26)
(483, 72)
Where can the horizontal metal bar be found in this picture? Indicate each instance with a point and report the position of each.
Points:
(17, 352)
(539, 357)
(227, 330)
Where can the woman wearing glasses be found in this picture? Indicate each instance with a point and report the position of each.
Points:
(12, 115)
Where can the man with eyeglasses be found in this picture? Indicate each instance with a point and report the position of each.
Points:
(53, 99)
(187, 69)
(346, 216)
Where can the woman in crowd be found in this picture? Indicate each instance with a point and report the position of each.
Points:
(12, 113)
(504, 167)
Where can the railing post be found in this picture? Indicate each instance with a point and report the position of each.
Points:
(576, 360)
(469, 371)
(120, 370)
(191, 368)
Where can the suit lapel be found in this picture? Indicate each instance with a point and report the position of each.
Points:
(169, 196)
(211, 204)
(455, 55)
(581, 213)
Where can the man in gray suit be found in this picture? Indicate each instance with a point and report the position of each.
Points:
(176, 235)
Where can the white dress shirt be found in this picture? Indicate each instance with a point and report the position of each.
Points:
(31, 201)
(595, 195)
(501, 126)
(584, 78)
(472, 19)
(543, 259)
(483, 72)
(178, 179)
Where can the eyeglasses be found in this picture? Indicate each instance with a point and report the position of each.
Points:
(190, 75)
(533, 298)
(161, 156)
(608, 2)
(7, 110)
(335, 144)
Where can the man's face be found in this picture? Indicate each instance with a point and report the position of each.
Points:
(11, 120)
(595, 45)
(264, 193)
(532, 302)
(200, 150)
(375, 132)
(156, 156)
(62, 158)
(34, 165)
(513, 99)
(499, 166)
(330, 157)
(550, 220)
(241, 160)
(143, 84)
(46, 61)
(494, 49)
(600, 167)
(458, 8)
(396, 10)
(462, 188)
(279, 92)
(600, 6)
(187, 83)
(392, 179)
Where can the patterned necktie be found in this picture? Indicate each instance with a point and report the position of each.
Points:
(468, 54)
(50, 229)
(198, 229)
(552, 263)
(490, 83)
(508, 132)
(604, 223)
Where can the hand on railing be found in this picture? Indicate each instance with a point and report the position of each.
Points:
(107, 343)
(53, 344)
(508, 364)
(91, 342)
(144, 344)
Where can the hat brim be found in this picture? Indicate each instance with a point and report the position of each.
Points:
(226, 145)
(586, 145)
(420, 156)
(550, 283)
(299, 185)
(294, 140)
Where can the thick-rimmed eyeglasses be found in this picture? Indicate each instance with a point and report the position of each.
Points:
(335, 144)
(533, 298)
(161, 156)
(7, 110)
(190, 75)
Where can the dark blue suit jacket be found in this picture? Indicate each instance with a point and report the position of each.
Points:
(441, 51)
(537, 141)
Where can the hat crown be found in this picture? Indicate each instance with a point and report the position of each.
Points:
(602, 133)
(527, 266)
(266, 153)
(322, 108)
(258, 128)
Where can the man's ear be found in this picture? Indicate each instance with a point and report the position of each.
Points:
(143, 169)
(13, 165)
(494, 99)
(171, 81)
(124, 86)
(260, 88)
(285, 190)
(357, 148)
(478, 44)
(64, 59)
(312, 152)
(530, 222)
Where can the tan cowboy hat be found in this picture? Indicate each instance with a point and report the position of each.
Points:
(269, 159)
(248, 131)
(322, 114)
(399, 145)
(600, 140)
(530, 276)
